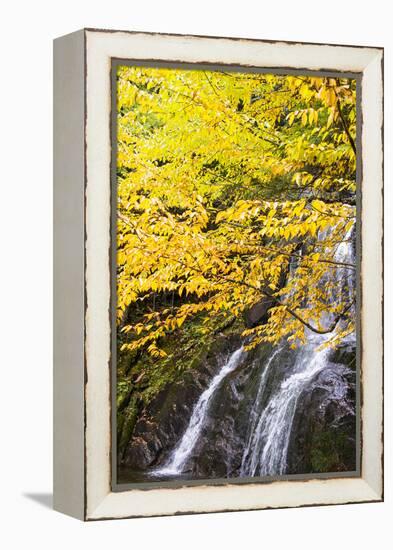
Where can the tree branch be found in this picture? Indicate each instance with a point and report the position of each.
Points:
(344, 123)
(264, 293)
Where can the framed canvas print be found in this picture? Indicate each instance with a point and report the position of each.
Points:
(218, 274)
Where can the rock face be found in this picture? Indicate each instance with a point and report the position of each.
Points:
(162, 423)
(322, 433)
(258, 313)
(324, 427)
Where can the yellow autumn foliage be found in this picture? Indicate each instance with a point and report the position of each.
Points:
(222, 177)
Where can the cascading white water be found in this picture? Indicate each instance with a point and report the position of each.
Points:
(267, 443)
(266, 449)
(183, 450)
(254, 414)
(271, 416)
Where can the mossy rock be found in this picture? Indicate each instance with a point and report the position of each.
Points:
(332, 451)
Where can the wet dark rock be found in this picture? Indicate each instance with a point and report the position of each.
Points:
(323, 435)
(345, 354)
(258, 313)
(323, 430)
(163, 422)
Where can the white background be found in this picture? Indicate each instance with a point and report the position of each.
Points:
(28, 28)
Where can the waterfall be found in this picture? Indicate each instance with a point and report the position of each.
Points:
(283, 380)
(184, 449)
(255, 411)
(266, 448)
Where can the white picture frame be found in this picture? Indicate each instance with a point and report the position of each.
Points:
(82, 333)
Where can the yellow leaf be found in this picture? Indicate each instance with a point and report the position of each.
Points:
(180, 321)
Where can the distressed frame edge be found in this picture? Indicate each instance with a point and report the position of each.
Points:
(69, 276)
(236, 38)
(375, 493)
(373, 232)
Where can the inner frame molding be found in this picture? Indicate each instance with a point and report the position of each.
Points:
(151, 484)
(90, 435)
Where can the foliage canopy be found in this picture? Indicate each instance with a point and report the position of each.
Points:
(226, 183)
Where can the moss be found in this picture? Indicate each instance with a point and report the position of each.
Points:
(126, 422)
(146, 376)
(330, 451)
